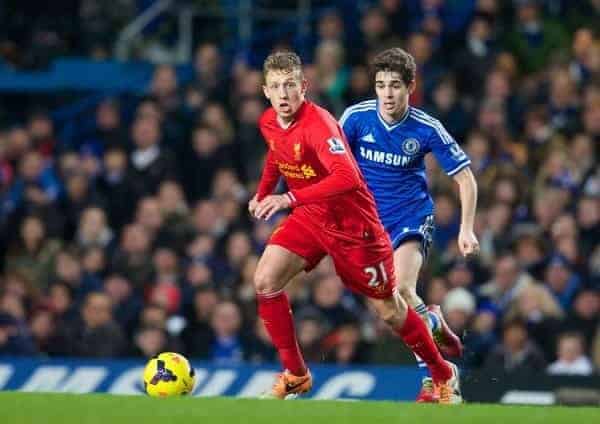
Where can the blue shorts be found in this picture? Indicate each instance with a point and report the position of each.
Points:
(420, 230)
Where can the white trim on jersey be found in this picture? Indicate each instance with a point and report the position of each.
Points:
(459, 168)
(359, 107)
(397, 124)
(423, 118)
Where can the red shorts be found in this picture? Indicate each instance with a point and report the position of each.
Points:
(366, 266)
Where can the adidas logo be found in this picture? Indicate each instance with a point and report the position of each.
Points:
(368, 138)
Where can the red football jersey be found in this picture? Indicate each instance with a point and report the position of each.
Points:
(324, 181)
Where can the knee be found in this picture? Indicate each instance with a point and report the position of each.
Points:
(265, 282)
(406, 289)
(391, 318)
(394, 314)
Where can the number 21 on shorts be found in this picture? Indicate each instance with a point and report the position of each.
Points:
(377, 273)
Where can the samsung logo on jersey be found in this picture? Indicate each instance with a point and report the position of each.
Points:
(385, 158)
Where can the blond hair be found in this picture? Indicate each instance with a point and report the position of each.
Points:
(284, 61)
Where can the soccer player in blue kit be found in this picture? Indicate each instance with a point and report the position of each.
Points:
(389, 139)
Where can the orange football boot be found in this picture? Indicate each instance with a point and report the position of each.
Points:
(288, 385)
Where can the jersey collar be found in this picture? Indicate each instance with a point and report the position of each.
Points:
(395, 125)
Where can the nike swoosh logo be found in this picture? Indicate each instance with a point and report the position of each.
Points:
(290, 387)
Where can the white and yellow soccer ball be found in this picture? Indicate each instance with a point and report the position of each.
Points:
(168, 374)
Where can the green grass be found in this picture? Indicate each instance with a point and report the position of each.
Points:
(44, 408)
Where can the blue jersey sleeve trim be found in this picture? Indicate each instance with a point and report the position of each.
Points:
(459, 168)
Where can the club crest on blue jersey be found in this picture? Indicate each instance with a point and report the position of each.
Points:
(410, 146)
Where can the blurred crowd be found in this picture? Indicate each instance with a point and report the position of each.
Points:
(134, 237)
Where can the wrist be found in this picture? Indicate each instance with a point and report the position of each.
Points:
(291, 198)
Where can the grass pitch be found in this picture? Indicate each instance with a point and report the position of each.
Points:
(45, 408)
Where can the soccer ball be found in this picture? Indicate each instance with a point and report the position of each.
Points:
(168, 374)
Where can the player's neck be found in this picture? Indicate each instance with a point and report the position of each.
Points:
(285, 123)
(396, 117)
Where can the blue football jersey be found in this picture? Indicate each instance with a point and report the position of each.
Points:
(392, 159)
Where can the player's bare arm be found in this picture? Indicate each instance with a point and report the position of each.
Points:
(467, 241)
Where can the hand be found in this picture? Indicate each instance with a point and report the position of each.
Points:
(252, 204)
(271, 204)
(467, 243)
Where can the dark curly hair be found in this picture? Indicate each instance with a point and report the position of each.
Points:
(395, 60)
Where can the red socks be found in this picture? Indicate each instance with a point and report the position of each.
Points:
(275, 311)
(417, 337)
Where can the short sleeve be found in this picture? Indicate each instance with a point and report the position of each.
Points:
(348, 123)
(446, 150)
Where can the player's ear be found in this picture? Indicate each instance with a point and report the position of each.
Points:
(266, 91)
(304, 86)
(411, 87)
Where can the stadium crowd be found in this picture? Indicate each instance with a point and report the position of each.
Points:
(134, 237)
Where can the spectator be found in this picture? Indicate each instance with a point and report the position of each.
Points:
(588, 220)
(164, 88)
(114, 186)
(517, 354)
(41, 129)
(78, 197)
(61, 302)
(535, 39)
(198, 334)
(507, 282)
(328, 299)
(35, 187)
(93, 230)
(132, 257)
(333, 76)
(43, 327)
(571, 358)
(150, 341)
(475, 59)
(150, 163)
(562, 281)
(34, 256)
(459, 309)
(260, 348)
(446, 107)
(583, 316)
(542, 314)
(108, 132)
(345, 346)
(228, 346)
(14, 339)
(201, 164)
(95, 334)
(210, 77)
(126, 304)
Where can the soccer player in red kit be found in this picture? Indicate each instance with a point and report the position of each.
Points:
(333, 213)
